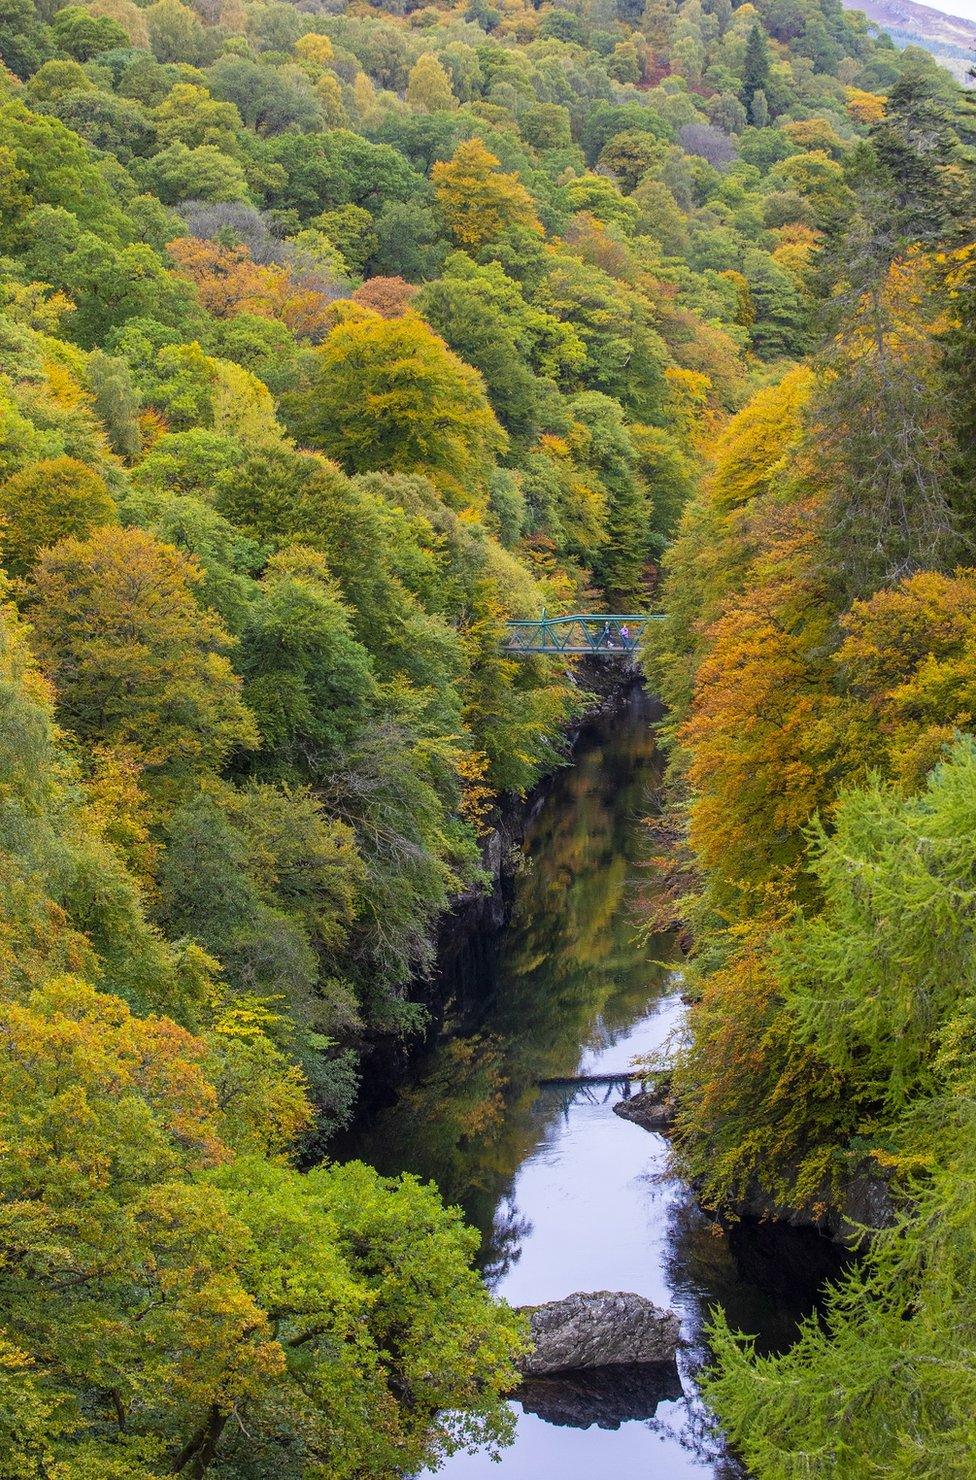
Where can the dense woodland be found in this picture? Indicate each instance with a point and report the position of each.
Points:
(331, 337)
(819, 660)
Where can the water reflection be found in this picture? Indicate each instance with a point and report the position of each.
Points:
(567, 1196)
(569, 978)
(606, 1396)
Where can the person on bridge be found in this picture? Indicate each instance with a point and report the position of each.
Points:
(625, 635)
(606, 637)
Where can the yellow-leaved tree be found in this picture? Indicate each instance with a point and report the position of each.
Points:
(388, 395)
(480, 202)
(429, 85)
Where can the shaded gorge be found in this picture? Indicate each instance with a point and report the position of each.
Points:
(566, 1195)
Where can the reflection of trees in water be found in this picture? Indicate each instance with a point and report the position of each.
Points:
(572, 962)
(570, 973)
(448, 1124)
(572, 976)
(766, 1277)
(504, 1246)
(697, 1263)
(692, 1428)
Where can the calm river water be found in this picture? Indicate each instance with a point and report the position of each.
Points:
(566, 1194)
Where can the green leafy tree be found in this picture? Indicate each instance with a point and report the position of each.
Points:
(107, 285)
(189, 115)
(350, 228)
(68, 899)
(116, 402)
(308, 680)
(83, 35)
(624, 356)
(24, 45)
(176, 33)
(389, 394)
(759, 108)
(58, 169)
(106, 122)
(55, 78)
(46, 501)
(629, 156)
(203, 173)
(337, 168)
(269, 100)
(409, 242)
(335, 1314)
(473, 321)
(605, 447)
(269, 887)
(781, 324)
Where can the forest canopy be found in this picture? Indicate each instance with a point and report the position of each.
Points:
(816, 656)
(333, 337)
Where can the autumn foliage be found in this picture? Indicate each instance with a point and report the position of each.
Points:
(229, 282)
(329, 344)
(818, 652)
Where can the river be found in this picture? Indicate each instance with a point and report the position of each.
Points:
(568, 1196)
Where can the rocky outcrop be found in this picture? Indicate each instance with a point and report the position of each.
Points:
(598, 1330)
(865, 1205)
(652, 1109)
(605, 1396)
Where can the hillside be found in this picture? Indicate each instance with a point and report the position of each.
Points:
(817, 660)
(332, 338)
(950, 38)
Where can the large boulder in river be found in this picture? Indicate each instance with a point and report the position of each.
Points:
(598, 1330)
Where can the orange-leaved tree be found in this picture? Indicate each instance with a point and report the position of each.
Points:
(229, 281)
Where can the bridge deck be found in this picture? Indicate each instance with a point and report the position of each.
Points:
(559, 1081)
(578, 634)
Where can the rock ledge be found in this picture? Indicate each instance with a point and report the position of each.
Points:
(653, 1109)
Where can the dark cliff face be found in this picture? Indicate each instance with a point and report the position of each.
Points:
(866, 1202)
(865, 1205)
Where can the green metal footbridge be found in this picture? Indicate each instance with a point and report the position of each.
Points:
(590, 633)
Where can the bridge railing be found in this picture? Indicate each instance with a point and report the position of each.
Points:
(578, 633)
